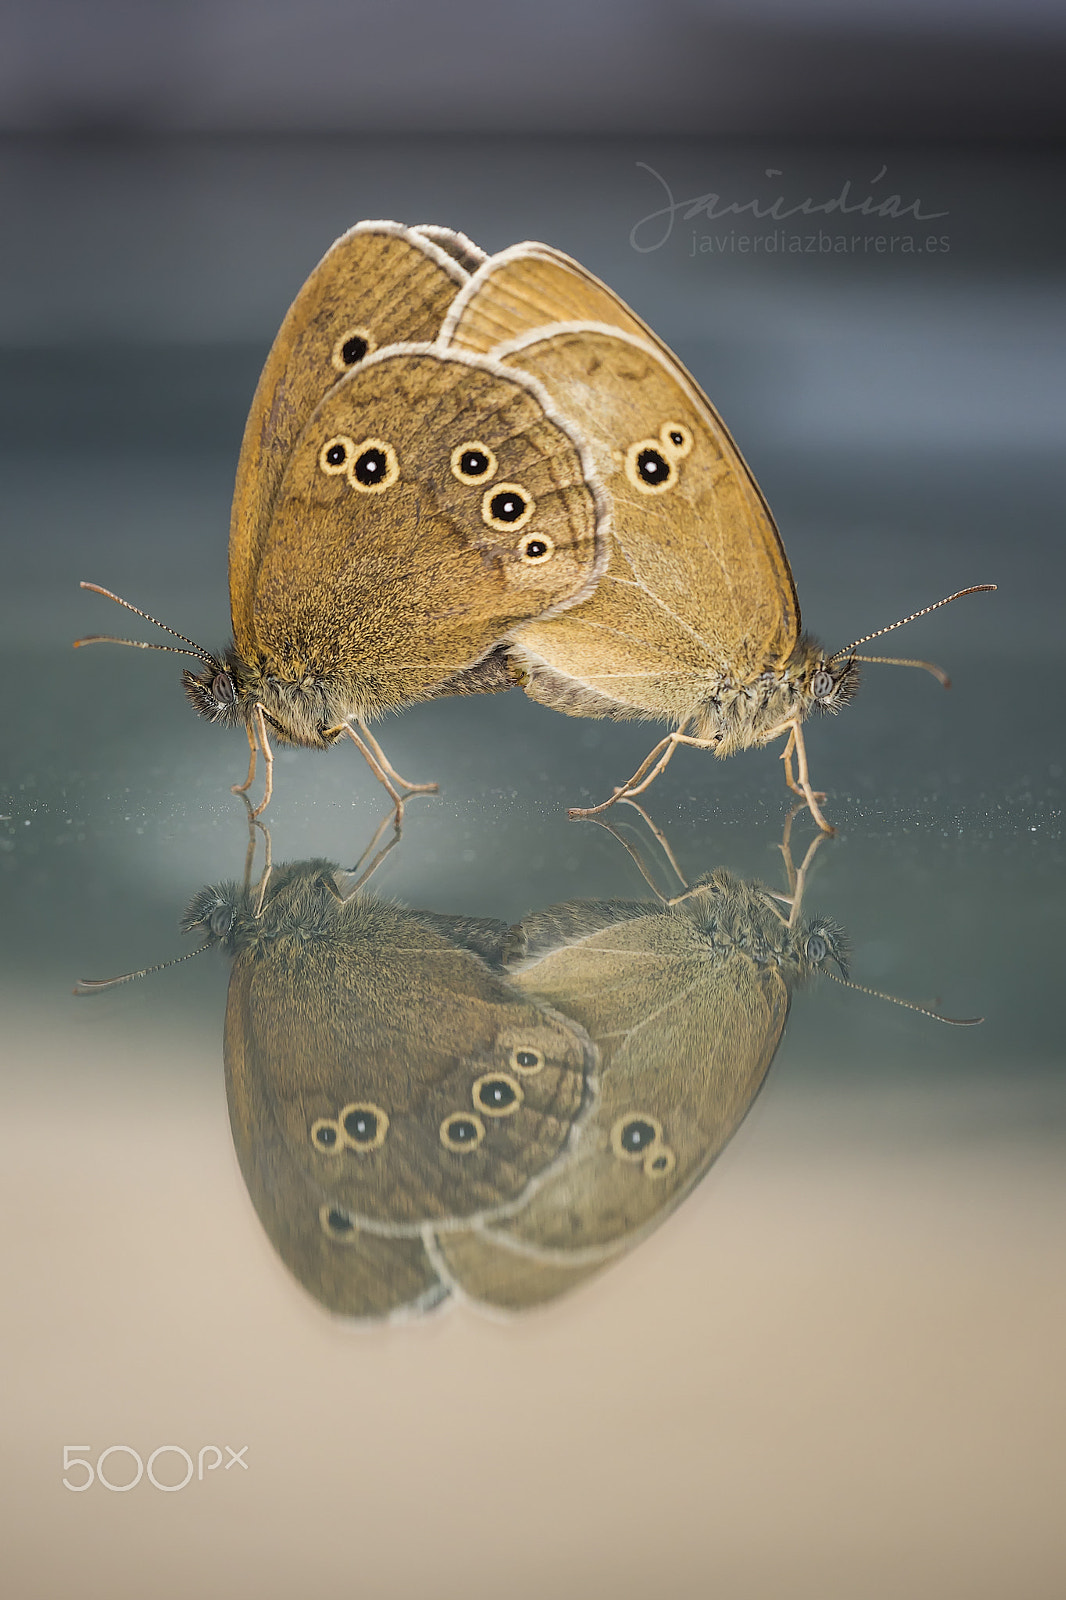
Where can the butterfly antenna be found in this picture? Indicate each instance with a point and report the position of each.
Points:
(893, 661)
(94, 985)
(879, 994)
(139, 644)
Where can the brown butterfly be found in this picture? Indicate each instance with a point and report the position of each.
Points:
(398, 509)
(696, 620)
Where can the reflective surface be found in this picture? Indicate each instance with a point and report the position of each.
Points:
(836, 1369)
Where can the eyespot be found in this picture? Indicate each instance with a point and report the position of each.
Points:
(526, 1061)
(326, 1135)
(373, 467)
(497, 1094)
(822, 685)
(336, 453)
(364, 1126)
(659, 1162)
(337, 1223)
(536, 550)
(676, 439)
(648, 468)
(473, 461)
(507, 507)
(634, 1135)
(353, 346)
(222, 687)
(461, 1132)
(817, 947)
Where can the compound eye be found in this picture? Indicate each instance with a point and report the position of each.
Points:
(817, 948)
(822, 685)
(223, 689)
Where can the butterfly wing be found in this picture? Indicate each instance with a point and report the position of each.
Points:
(388, 564)
(403, 1079)
(686, 1033)
(698, 588)
(378, 284)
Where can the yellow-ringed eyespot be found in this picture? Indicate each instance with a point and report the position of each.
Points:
(372, 467)
(473, 462)
(507, 507)
(353, 346)
(326, 1136)
(535, 550)
(635, 1134)
(363, 1125)
(336, 453)
(526, 1060)
(649, 468)
(676, 439)
(461, 1132)
(497, 1094)
(659, 1162)
(337, 1223)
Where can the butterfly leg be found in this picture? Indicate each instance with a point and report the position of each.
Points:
(386, 765)
(646, 773)
(242, 788)
(796, 746)
(268, 759)
(370, 750)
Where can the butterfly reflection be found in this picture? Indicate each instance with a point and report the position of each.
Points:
(423, 1103)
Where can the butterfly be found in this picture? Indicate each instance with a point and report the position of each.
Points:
(399, 507)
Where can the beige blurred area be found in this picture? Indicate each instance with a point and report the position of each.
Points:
(837, 1371)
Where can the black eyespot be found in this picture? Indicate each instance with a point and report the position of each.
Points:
(660, 1163)
(336, 455)
(460, 1133)
(675, 438)
(364, 1126)
(535, 548)
(474, 463)
(473, 460)
(361, 1126)
(324, 1135)
(636, 1136)
(534, 552)
(526, 1061)
(652, 467)
(353, 350)
(337, 1221)
(817, 947)
(507, 506)
(223, 690)
(497, 1095)
(822, 685)
(371, 467)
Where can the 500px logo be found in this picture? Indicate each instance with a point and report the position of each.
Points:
(110, 1473)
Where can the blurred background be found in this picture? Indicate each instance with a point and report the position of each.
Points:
(837, 1371)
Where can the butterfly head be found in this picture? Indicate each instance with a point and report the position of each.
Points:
(823, 682)
(300, 707)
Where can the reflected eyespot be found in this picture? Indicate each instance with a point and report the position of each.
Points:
(507, 507)
(526, 1061)
(473, 461)
(352, 347)
(373, 467)
(326, 1135)
(497, 1094)
(336, 1222)
(365, 1126)
(648, 468)
(336, 453)
(536, 550)
(676, 439)
(634, 1135)
(822, 685)
(659, 1162)
(461, 1132)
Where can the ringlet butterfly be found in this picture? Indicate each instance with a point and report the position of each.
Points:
(398, 508)
(383, 1082)
(686, 999)
(696, 620)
